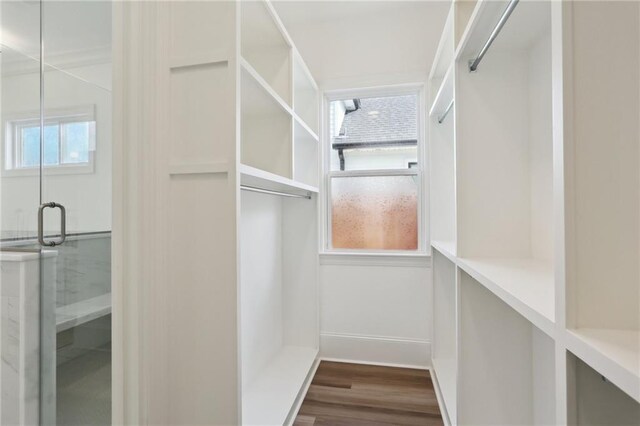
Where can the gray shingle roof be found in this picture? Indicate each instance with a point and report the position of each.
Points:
(396, 120)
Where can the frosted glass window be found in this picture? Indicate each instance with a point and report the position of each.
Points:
(374, 213)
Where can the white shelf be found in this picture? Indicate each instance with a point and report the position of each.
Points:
(246, 66)
(306, 153)
(445, 372)
(444, 53)
(265, 180)
(527, 285)
(75, 314)
(268, 399)
(313, 135)
(613, 353)
(446, 248)
(444, 96)
(266, 46)
(305, 95)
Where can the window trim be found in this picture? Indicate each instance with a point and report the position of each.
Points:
(423, 249)
(10, 148)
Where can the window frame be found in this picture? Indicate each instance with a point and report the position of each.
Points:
(420, 172)
(12, 144)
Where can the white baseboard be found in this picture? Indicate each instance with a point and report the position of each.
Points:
(443, 409)
(375, 350)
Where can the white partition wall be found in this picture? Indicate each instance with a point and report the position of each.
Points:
(603, 275)
(535, 183)
(220, 195)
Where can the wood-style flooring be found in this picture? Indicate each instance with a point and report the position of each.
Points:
(357, 394)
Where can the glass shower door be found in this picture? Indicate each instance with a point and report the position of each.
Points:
(55, 213)
(21, 258)
(77, 176)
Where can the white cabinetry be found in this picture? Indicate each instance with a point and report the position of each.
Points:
(536, 213)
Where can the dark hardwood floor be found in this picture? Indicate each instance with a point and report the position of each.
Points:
(357, 394)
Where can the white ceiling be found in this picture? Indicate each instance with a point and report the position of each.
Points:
(347, 43)
(68, 26)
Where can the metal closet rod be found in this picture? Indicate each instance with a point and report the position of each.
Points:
(271, 192)
(473, 64)
(445, 113)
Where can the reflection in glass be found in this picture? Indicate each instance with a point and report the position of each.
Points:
(374, 212)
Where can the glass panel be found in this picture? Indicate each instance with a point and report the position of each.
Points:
(30, 147)
(374, 213)
(374, 133)
(51, 145)
(20, 259)
(77, 77)
(75, 146)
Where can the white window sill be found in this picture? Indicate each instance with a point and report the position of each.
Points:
(50, 170)
(410, 259)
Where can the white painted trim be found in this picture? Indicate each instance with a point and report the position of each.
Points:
(208, 58)
(379, 364)
(422, 172)
(441, 405)
(377, 350)
(411, 260)
(58, 61)
(199, 168)
(303, 393)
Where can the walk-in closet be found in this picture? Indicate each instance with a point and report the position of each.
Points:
(320, 212)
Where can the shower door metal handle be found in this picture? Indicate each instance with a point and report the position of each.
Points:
(63, 224)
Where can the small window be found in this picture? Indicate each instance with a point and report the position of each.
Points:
(374, 174)
(68, 144)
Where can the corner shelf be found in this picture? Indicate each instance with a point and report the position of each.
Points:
(613, 353)
(446, 248)
(262, 179)
(526, 285)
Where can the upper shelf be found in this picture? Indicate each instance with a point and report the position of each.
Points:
(254, 177)
(265, 45)
(253, 73)
(528, 22)
(305, 95)
(444, 53)
(444, 97)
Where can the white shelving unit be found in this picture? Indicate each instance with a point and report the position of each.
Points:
(506, 364)
(266, 46)
(278, 247)
(602, 288)
(535, 214)
(445, 333)
(243, 184)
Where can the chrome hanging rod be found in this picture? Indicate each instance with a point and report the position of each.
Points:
(445, 113)
(268, 191)
(473, 64)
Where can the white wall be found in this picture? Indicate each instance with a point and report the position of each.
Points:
(87, 196)
(369, 313)
(377, 314)
(261, 282)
